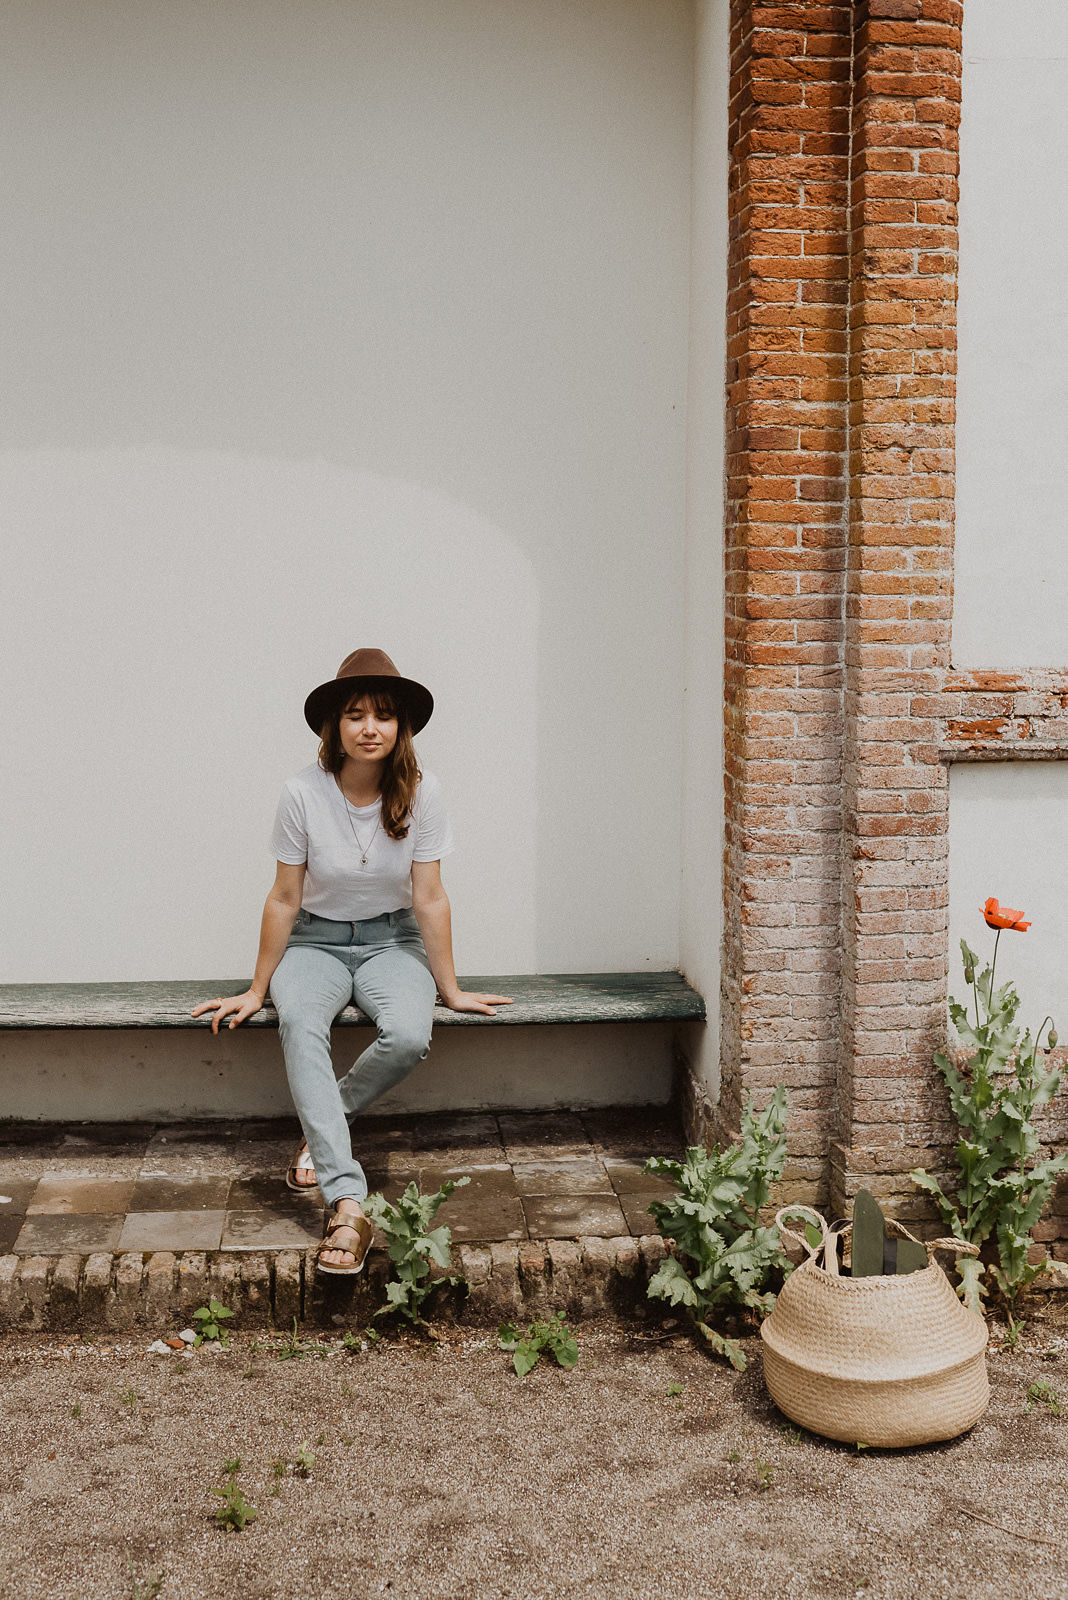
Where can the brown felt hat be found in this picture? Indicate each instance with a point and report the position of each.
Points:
(368, 669)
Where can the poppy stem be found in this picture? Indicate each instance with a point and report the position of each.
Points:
(993, 965)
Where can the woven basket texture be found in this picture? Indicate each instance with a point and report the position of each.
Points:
(888, 1361)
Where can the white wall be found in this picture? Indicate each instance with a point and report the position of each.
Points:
(1007, 820)
(328, 325)
(702, 850)
(1011, 585)
(1006, 838)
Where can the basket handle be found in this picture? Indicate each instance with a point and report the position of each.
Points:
(828, 1241)
(827, 1244)
(960, 1247)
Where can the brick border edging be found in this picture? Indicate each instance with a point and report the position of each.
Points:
(158, 1292)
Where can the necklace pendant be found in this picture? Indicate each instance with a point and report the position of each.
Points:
(363, 860)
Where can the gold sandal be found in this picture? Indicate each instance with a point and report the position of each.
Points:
(364, 1232)
(301, 1162)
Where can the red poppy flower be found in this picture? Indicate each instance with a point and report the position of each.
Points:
(1004, 917)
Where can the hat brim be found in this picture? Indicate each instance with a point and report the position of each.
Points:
(417, 700)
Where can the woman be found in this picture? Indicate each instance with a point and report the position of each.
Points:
(357, 912)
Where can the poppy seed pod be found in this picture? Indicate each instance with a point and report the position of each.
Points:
(1052, 1037)
(969, 974)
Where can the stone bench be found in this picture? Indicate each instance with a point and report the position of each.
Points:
(115, 1051)
(554, 998)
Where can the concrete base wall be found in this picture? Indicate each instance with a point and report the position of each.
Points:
(106, 1075)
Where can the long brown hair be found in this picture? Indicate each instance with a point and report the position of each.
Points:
(400, 775)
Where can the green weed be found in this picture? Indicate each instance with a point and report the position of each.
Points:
(554, 1336)
(210, 1322)
(1002, 1187)
(235, 1510)
(305, 1461)
(294, 1348)
(413, 1244)
(721, 1256)
(1044, 1394)
(151, 1587)
(765, 1475)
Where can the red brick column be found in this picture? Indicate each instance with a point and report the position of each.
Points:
(902, 387)
(785, 538)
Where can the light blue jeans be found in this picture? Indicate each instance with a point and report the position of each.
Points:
(382, 965)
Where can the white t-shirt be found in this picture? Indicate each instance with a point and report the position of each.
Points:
(312, 824)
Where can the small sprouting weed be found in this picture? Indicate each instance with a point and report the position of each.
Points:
(305, 1461)
(791, 1435)
(294, 1348)
(151, 1587)
(210, 1320)
(128, 1397)
(765, 1474)
(1044, 1394)
(554, 1336)
(75, 1410)
(233, 1465)
(235, 1510)
(674, 1390)
(1016, 1327)
(734, 1455)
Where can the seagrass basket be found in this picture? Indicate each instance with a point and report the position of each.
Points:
(888, 1361)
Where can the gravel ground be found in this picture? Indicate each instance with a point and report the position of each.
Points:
(648, 1471)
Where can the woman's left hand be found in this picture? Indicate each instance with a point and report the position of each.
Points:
(484, 1003)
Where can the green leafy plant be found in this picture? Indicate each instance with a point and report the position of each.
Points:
(235, 1510)
(210, 1322)
(553, 1336)
(1044, 1394)
(305, 1461)
(765, 1474)
(232, 1466)
(151, 1587)
(413, 1245)
(720, 1254)
(1002, 1187)
(674, 1390)
(294, 1348)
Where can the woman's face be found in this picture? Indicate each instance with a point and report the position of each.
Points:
(367, 737)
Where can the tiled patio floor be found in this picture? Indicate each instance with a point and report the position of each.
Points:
(128, 1187)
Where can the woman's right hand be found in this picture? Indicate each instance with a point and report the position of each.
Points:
(241, 1005)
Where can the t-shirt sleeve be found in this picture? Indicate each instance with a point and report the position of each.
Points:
(289, 836)
(433, 834)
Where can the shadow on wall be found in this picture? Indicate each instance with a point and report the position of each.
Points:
(167, 612)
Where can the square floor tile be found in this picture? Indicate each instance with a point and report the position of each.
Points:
(477, 1135)
(58, 1195)
(172, 1230)
(485, 1219)
(561, 1175)
(531, 1131)
(573, 1215)
(63, 1235)
(639, 1220)
(15, 1195)
(10, 1228)
(494, 1178)
(635, 1131)
(628, 1176)
(178, 1192)
(272, 1230)
(260, 1190)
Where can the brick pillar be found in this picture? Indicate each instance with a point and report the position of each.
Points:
(785, 536)
(902, 364)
